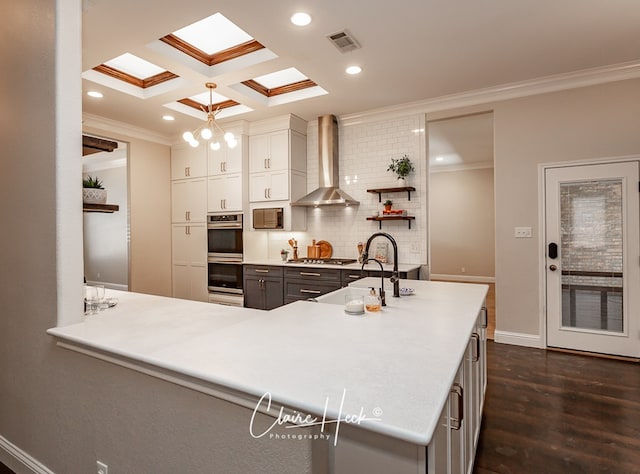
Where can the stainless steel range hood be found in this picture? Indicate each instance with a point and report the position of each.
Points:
(328, 193)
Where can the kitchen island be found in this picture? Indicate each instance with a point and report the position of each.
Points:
(381, 383)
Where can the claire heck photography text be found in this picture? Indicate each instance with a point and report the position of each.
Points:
(291, 422)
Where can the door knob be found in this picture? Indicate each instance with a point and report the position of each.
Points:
(553, 268)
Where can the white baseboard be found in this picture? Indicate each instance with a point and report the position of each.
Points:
(18, 460)
(518, 339)
(464, 278)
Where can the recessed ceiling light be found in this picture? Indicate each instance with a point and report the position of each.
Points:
(168, 118)
(301, 19)
(353, 70)
(439, 158)
(95, 94)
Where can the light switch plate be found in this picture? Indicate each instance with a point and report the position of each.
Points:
(523, 232)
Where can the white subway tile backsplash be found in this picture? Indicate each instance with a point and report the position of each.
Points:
(366, 150)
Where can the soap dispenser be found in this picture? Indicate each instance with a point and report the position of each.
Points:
(372, 302)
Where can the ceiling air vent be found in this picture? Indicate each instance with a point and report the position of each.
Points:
(344, 41)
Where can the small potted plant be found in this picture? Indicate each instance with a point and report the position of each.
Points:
(284, 253)
(387, 205)
(401, 167)
(92, 191)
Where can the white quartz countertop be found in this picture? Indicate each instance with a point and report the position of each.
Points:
(396, 366)
(402, 267)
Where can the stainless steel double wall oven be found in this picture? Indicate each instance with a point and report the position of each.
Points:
(224, 258)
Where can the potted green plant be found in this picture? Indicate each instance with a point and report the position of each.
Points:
(387, 204)
(401, 167)
(92, 191)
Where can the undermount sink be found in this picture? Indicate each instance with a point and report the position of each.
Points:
(337, 297)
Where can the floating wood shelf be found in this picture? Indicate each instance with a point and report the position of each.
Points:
(109, 208)
(391, 218)
(380, 191)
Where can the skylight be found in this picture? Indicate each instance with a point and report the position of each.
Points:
(281, 78)
(134, 66)
(213, 34)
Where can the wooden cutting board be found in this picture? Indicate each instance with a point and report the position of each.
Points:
(326, 250)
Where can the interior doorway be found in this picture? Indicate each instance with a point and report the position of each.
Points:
(106, 234)
(461, 202)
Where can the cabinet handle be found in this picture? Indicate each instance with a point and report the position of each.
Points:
(269, 163)
(186, 230)
(310, 274)
(265, 163)
(484, 317)
(456, 421)
(313, 292)
(185, 171)
(475, 357)
(357, 277)
(269, 192)
(265, 193)
(258, 270)
(221, 167)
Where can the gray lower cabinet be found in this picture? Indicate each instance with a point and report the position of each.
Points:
(263, 286)
(304, 283)
(349, 276)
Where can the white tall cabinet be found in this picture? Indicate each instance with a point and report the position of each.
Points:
(278, 167)
(203, 181)
(188, 217)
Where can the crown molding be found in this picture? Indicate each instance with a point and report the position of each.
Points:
(543, 85)
(122, 128)
(481, 165)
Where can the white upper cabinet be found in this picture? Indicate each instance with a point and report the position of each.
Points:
(269, 151)
(225, 193)
(227, 160)
(188, 162)
(189, 200)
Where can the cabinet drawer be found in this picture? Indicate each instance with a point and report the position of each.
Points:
(352, 275)
(301, 289)
(263, 271)
(313, 274)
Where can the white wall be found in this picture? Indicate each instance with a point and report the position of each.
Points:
(462, 223)
(580, 124)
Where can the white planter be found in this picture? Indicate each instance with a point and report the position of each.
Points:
(94, 196)
(401, 182)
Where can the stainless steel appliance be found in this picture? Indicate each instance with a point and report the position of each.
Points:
(268, 218)
(224, 258)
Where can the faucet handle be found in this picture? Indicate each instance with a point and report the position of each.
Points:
(394, 277)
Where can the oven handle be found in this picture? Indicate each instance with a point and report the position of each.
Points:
(229, 261)
(227, 225)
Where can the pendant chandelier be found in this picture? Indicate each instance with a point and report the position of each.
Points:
(210, 131)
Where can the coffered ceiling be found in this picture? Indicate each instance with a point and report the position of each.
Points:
(409, 51)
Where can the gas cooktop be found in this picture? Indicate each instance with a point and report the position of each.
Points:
(330, 261)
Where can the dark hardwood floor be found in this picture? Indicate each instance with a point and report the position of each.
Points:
(5, 470)
(552, 412)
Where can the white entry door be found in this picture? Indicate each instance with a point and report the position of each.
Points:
(593, 258)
